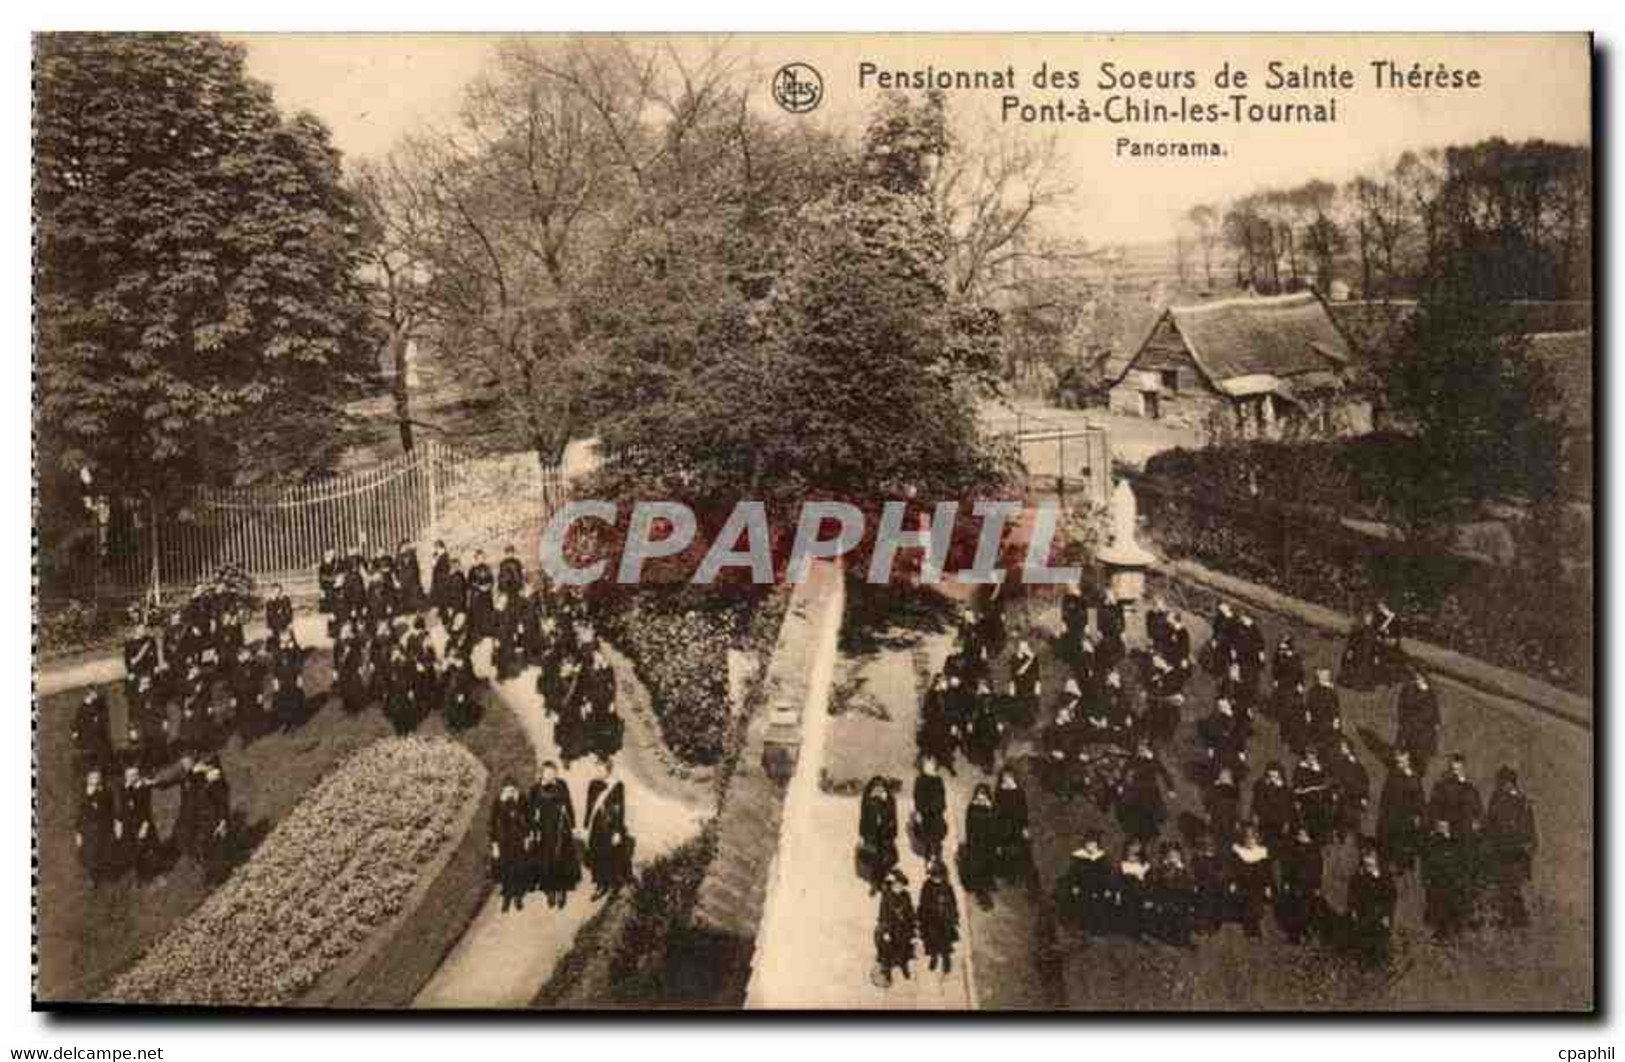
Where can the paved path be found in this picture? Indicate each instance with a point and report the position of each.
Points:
(503, 960)
(816, 948)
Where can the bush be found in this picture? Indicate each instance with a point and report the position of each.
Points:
(678, 638)
(333, 873)
(632, 952)
(1530, 619)
(76, 625)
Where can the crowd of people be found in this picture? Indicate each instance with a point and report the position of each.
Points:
(193, 679)
(1254, 851)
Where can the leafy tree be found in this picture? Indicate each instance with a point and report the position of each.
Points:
(859, 374)
(1484, 408)
(199, 317)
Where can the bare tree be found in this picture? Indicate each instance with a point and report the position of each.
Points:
(1206, 224)
(993, 196)
(575, 171)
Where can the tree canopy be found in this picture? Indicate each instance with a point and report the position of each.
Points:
(858, 372)
(199, 317)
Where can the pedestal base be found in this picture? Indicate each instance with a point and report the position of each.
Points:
(1127, 582)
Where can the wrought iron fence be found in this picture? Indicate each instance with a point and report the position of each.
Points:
(278, 534)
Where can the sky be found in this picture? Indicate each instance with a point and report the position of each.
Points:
(372, 89)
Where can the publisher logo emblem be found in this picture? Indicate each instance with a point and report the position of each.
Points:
(798, 88)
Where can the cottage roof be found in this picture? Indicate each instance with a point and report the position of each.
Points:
(1284, 336)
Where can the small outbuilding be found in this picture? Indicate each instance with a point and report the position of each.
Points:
(1256, 367)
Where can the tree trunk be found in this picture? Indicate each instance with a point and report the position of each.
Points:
(402, 392)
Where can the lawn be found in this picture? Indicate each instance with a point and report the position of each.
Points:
(1548, 966)
(87, 936)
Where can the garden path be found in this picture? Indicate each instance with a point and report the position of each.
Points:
(504, 959)
(821, 907)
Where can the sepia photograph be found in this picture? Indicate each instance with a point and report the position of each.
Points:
(814, 522)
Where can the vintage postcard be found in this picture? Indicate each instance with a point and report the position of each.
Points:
(814, 522)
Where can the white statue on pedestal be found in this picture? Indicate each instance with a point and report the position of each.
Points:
(1124, 549)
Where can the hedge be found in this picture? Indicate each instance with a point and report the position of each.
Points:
(338, 869)
(624, 956)
(1536, 620)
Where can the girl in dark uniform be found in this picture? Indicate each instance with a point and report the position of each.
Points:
(877, 832)
(137, 829)
(1133, 891)
(985, 730)
(214, 827)
(400, 705)
(288, 690)
(505, 631)
(1315, 796)
(1084, 895)
(1252, 878)
(937, 734)
(92, 734)
(457, 695)
(609, 844)
(930, 809)
(409, 577)
(605, 729)
(1026, 688)
(352, 672)
(481, 588)
(979, 855)
(509, 829)
(1013, 857)
(1300, 907)
(895, 928)
(1371, 899)
(1173, 896)
(552, 842)
(570, 730)
(1286, 675)
(938, 918)
(95, 830)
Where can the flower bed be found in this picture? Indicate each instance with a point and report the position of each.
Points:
(334, 872)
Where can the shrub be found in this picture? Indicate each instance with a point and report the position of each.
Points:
(1529, 619)
(334, 872)
(678, 639)
(76, 625)
(633, 952)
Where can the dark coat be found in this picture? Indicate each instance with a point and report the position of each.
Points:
(1400, 813)
(609, 846)
(552, 824)
(1456, 801)
(894, 930)
(938, 917)
(931, 808)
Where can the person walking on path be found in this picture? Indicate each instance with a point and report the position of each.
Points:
(938, 919)
(508, 832)
(553, 847)
(895, 927)
(877, 833)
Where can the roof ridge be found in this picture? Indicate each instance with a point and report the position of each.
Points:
(1248, 300)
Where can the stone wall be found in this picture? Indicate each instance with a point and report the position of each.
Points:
(734, 892)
